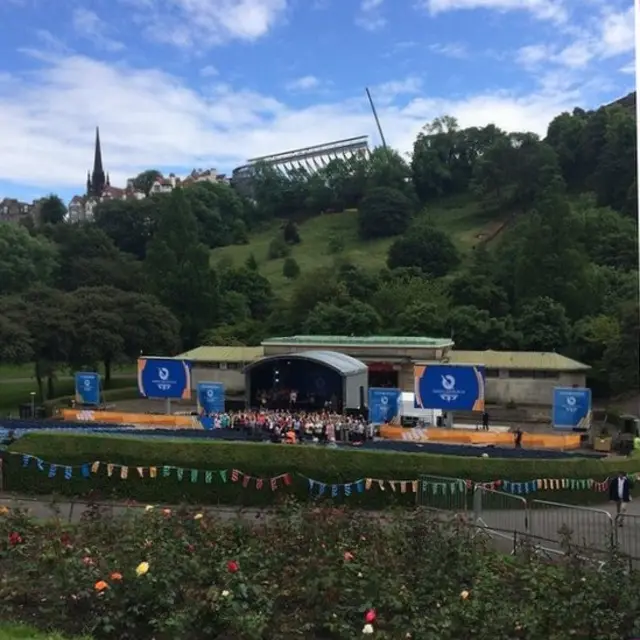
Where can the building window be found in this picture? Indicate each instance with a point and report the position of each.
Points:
(492, 373)
(521, 373)
(546, 375)
(233, 365)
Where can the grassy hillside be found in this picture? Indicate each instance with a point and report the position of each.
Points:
(461, 217)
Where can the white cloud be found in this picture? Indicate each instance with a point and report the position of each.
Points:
(370, 15)
(208, 71)
(605, 36)
(450, 50)
(204, 23)
(618, 33)
(148, 118)
(553, 10)
(629, 68)
(88, 25)
(305, 83)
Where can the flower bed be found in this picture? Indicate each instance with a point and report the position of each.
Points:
(308, 574)
(265, 461)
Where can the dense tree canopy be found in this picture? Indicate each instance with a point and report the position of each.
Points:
(561, 275)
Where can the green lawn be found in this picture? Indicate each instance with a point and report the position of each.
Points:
(463, 219)
(21, 632)
(17, 383)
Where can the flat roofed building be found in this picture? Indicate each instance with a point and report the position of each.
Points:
(524, 377)
(221, 364)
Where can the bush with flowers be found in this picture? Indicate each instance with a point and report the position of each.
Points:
(303, 573)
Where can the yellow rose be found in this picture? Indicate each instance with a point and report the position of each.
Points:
(148, 508)
(464, 595)
(4, 510)
(142, 568)
(198, 516)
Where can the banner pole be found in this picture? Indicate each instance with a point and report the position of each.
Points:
(168, 406)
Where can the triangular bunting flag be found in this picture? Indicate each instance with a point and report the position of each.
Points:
(166, 471)
(124, 473)
(194, 475)
(109, 470)
(347, 489)
(52, 471)
(208, 477)
(274, 483)
(223, 475)
(86, 472)
(140, 471)
(259, 483)
(235, 474)
(94, 467)
(334, 490)
(68, 472)
(367, 483)
(180, 473)
(245, 481)
(153, 472)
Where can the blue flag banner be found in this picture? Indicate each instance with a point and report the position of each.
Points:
(571, 408)
(449, 387)
(384, 405)
(210, 397)
(164, 378)
(87, 388)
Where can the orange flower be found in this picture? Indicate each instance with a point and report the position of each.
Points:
(100, 586)
(116, 577)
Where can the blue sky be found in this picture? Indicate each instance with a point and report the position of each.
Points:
(183, 84)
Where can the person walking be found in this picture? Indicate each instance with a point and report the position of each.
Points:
(620, 493)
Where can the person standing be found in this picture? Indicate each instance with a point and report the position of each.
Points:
(620, 493)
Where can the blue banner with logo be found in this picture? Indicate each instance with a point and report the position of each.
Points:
(164, 378)
(384, 405)
(87, 387)
(571, 408)
(211, 397)
(449, 387)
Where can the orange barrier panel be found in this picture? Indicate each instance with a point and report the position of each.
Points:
(112, 417)
(464, 436)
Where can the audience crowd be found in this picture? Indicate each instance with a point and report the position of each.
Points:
(297, 426)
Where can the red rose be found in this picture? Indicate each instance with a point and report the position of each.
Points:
(15, 538)
(232, 566)
(370, 616)
(190, 548)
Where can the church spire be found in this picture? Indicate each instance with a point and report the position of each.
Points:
(98, 177)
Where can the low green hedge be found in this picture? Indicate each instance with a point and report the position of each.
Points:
(265, 461)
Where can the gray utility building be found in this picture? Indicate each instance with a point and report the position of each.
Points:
(316, 378)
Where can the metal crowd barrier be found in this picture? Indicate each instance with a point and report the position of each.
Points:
(500, 514)
(442, 494)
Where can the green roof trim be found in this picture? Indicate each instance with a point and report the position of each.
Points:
(358, 341)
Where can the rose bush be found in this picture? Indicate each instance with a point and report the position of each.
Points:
(304, 573)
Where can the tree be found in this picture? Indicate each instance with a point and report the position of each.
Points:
(89, 258)
(622, 356)
(480, 291)
(356, 319)
(427, 248)
(24, 259)
(145, 180)
(130, 223)
(46, 314)
(473, 328)
(290, 269)
(544, 325)
(251, 263)
(278, 248)
(254, 287)
(16, 345)
(179, 272)
(52, 210)
(383, 212)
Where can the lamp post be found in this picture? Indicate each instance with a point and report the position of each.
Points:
(33, 404)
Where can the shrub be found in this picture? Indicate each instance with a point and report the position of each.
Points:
(267, 461)
(278, 248)
(290, 268)
(291, 233)
(383, 212)
(311, 574)
(335, 244)
(427, 248)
